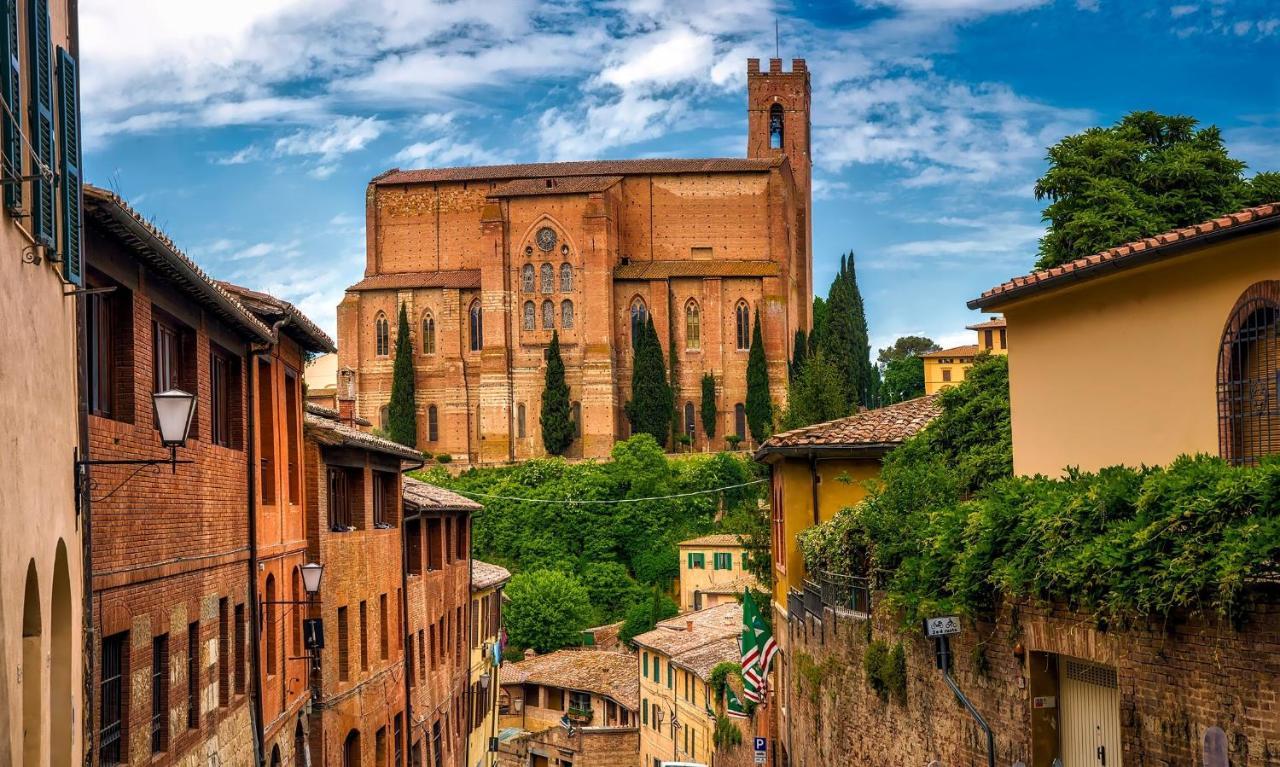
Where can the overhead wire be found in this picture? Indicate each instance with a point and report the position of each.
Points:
(581, 502)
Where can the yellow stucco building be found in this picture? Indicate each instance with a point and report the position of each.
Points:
(947, 367)
(486, 627)
(1149, 350)
(712, 571)
(677, 719)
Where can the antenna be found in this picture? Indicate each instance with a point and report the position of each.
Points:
(777, 47)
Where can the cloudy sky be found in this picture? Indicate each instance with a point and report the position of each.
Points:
(247, 129)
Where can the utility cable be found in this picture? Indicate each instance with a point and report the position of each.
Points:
(579, 502)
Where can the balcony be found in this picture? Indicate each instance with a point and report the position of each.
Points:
(848, 595)
(581, 716)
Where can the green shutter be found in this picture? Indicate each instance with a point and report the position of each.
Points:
(690, 561)
(69, 170)
(41, 75)
(671, 681)
(644, 710)
(645, 663)
(11, 92)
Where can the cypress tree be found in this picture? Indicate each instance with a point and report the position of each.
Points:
(709, 405)
(759, 404)
(651, 399)
(799, 354)
(402, 412)
(844, 336)
(673, 382)
(557, 425)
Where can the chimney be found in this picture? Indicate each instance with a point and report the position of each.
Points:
(347, 396)
(688, 624)
(530, 653)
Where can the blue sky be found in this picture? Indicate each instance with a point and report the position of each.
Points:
(248, 129)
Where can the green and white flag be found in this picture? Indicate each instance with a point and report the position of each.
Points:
(734, 705)
(758, 649)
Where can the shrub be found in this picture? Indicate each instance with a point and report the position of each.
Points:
(727, 734)
(444, 458)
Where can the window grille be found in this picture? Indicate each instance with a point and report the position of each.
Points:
(1249, 377)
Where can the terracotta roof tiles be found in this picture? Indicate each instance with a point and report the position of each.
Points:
(672, 637)
(431, 497)
(486, 576)
(717, 539)
(270, 309)
(1131, 254)
(994, 322)
(600, 671)
(882, 427)
(968, 350)
(331, 432)
(583, 168)
(460, 279)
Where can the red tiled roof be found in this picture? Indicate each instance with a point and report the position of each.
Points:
(1132, 254)
(461, 279)
(716, 539)
(994, 322)
(654, 166)
(423, 495)
(968, 350)
(879, 428)
(600, 671)
(485, 575)
(531, 187)
(327, 431)
(270, 309)
(661, 270)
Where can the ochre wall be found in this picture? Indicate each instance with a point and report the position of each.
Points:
(695, 579)
(1123, 369)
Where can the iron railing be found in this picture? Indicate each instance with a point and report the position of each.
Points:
(848, 593)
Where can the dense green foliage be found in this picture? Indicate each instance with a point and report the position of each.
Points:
(819, 324)
(649, 409)
(617, 551)
(816, 394)
(799, 354)
(644, 615)
(402, 412)
(843, 338)
(759, 403)
(548, 610)
(885, 669)
(903, 379)
(727, 734)
(906, 346)
(708, 410)
(555, 420)
(1146, 174)
(950, 529)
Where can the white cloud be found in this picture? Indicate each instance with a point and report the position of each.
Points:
(956, 7)
(445, 152)
(1178, 11)
(584, 134)
(342, 136)
(994, 239)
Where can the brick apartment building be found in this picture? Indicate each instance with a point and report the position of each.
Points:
(170, 549)
(41, 568)
(437, 545)
(279, 521)
(352, 493)
(489, 261)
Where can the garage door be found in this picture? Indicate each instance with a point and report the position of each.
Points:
(1090, 713)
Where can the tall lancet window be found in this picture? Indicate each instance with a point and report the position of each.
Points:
(775, 126)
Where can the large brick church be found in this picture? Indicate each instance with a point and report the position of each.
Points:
(489, 260)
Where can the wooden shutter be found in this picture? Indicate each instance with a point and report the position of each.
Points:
(69, 170)
(11, 92)
(41, 122)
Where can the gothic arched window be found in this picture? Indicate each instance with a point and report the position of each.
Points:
(530, 316)
(566, 314)
(526, 278)
(547, 278)
(548, 315)
(428, 334)
(575, 413)
(520, 427)
(433, 423)
(742, 319)
(692, 325)
(566, 278)
(689, 425)
(475, 326)
(775, 126)
(639, 315)
(1249, 377)
(740, 420)
(381, 335)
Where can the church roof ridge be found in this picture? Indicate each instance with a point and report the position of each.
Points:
(639, 166)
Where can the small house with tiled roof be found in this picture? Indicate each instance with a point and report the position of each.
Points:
(490, 262)
(1150, 349)
(947, 367)
(817, 470)
(712, 571)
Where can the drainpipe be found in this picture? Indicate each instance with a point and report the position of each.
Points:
(89, 643)
(407, 732)
(813, 485)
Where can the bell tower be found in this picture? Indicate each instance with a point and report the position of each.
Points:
(778, 125)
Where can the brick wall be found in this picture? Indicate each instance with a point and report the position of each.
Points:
(1175, 680)
(589, 747)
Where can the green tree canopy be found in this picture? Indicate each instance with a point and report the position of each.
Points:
(816, 395)
(402, 411)
(644, 616)
(759, 404)
(903, 380)
(612, 590)
(844, 336)
(907, 346)
(799, 353)
(1144, 175)
(652, 400)
(709, 405)
(556, 421)
(548, 610)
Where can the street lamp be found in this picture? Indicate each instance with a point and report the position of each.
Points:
(311, 578)
(173, 409)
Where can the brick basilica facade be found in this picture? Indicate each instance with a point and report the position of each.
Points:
(488, 261)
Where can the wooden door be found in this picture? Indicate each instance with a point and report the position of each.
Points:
(1090, 714)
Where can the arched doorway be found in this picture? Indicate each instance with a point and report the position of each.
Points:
(32, 669)
(275, 755)
(301, 753)
(60, 623)
(351, 750)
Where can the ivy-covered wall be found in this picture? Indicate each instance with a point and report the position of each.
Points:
(1176, 679)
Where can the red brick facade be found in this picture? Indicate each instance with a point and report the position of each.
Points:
(688, 240)
(170, 553)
